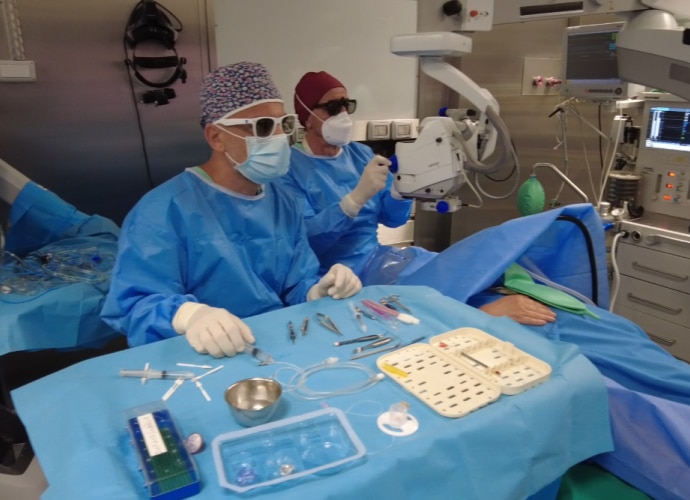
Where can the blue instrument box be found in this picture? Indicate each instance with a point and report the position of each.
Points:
(169, 470)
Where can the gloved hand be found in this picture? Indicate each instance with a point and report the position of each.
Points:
(373, 180)
(339, 282)
(212, 330)
(396, 195)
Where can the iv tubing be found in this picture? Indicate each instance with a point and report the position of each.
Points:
(298, 383)
(616, 271)
(538, 275)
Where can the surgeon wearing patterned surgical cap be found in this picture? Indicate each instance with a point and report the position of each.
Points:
(346, 189)
(218, 242)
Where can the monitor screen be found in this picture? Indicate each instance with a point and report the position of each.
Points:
(668, 127)
(590, 63)
(591, 53)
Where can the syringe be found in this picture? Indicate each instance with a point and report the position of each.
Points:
(263, 357)
(148, 374)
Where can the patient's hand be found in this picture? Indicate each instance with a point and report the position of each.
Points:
(522, 309)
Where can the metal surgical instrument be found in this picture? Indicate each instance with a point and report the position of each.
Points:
(293, 335)
(386, 349)
(377, 343)
(375, 351)
(366, 338)
(394, 300)
(328, 323)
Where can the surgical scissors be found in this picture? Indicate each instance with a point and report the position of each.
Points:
(327, 322)
(394, 300)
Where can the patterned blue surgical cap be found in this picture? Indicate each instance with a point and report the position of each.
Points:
(234, 87)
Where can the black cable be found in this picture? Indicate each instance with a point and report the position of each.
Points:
(590, 253)
(171, 15)
(512, 171)
(147, 165)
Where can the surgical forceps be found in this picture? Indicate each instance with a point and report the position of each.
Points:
(394, 301)
(327, 322)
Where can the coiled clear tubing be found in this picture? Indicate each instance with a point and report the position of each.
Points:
(297, 384)
(41, 271)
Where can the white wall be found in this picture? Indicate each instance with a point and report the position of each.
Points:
(347, 38)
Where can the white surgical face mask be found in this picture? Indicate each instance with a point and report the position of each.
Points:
(267, 158)
(337, 130)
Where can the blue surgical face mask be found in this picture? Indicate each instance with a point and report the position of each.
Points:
(267, 158)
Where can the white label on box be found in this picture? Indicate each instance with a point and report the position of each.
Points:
(152, 435)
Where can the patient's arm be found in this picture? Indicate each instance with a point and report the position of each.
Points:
(520, 308)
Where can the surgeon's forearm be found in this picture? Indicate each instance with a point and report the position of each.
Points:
(144, 319)
(303, 273)
(298, 293)
(394, 212)
(327, 227)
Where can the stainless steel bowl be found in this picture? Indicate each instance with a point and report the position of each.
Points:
(253, 401)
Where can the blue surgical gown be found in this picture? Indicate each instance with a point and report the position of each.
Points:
(191, 240)
(321, 182)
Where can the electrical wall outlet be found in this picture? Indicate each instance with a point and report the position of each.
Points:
(17, 71)
(378, 130)
(404, 129)
(387, 129)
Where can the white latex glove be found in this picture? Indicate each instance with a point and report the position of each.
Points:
(212, 330)
(339, 282)
(396, 195)
(373, 180)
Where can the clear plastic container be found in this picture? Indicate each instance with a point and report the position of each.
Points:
(320, 442)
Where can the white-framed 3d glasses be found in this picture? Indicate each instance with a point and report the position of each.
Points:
(263, 126)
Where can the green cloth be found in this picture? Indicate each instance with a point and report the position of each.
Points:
(203, 173)
(517, 279)
(590, 482)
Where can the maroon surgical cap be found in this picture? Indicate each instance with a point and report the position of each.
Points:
(310, 89)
